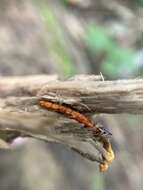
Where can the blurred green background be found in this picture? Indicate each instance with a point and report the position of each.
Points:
(69, 37)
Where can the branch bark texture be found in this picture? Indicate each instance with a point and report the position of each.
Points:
(19, 98)
(20, 110)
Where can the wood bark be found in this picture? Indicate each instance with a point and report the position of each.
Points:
(89, 94)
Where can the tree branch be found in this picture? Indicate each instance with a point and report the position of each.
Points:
(88, 94)
(20, 110)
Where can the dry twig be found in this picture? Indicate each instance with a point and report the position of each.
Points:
(20, 111)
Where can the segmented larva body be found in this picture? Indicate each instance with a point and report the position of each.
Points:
(70, 113)
(81, 118)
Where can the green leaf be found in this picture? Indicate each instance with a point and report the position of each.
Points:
(98, 39)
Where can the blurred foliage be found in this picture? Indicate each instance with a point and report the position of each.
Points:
(56, 40)
(117, 59)
(98, 182)
(97, 39)
(140, 2)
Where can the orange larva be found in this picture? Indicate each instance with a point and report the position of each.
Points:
(70, 113)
